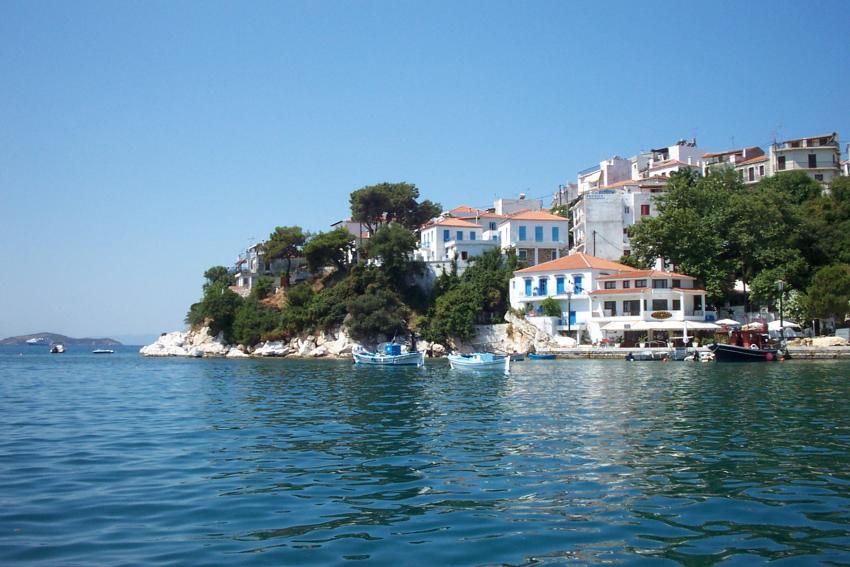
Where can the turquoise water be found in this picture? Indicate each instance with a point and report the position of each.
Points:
(121, 460)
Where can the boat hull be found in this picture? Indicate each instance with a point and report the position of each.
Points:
(406, 359)
(459, 362)
(532, 356)
(733, 353)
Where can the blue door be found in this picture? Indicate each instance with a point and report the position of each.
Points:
(541, 286)
(528, 288)
(559, 286)
(572, 317)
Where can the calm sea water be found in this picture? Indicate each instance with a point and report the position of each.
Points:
(119, 460)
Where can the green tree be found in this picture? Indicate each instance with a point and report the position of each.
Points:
(829, 293)
(252, 321)
(285, 243)
(219, 307)
(262, 288)
(454, 314)
(329, 249)
(218, 274)
(551, 307)
(295, 316)
(376, 205)
(378, 311)
(393, 244)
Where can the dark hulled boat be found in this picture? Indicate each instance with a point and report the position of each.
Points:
(745, 346)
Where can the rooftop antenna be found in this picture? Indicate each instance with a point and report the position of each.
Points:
(774, 134)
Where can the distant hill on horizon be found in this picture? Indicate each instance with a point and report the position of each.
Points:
(50, 338)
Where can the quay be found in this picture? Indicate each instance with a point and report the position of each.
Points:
(620, 353)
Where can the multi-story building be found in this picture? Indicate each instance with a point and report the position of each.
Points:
(594, 292)
(253, 265)
(729, 158)
(450, 239)
(510, 206)
(601, 219)
(606, 173)
(754, 169)
(537, 236)
(818, 156)
(664, 161)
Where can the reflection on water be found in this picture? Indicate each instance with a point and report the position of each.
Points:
(270, 462)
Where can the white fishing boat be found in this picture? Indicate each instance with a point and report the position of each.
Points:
(481, 361)
(57, 349)
(102, 351)
(36, 341)
(388, 354)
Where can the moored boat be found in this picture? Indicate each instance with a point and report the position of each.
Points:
(540, 356)
(388, 354)
(746, 345)
(102, 351)
(57, 349)
(481, 361)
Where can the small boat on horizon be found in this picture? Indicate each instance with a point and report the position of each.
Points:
(102, 351)
(481, 361)
(388, 354)
(57, 348)
(36, 341)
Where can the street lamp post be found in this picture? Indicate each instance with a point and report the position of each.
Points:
(780, 285)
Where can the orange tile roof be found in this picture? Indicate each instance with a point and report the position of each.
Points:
(578, 261)
(753, 160)
(535, 215)
(466, 209)
(671, 162)
(646, 274)
(453, 222)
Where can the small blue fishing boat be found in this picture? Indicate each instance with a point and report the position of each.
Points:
(388, 354)
(538, 356)
(481, 361)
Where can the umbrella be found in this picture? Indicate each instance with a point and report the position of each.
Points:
(774, 325)
(728, 323)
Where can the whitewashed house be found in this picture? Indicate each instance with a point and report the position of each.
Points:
(608, 172)
(664, 161)
(569, 280)
(537, 236)
(602, 218)
(818, 156)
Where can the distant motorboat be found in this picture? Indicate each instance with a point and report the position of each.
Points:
(388, 354)
(36, 341)
(102, 351)
(57, 349)
(481, 361)
(645, 355)
(540, 356)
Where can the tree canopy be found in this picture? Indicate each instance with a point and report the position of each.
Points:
(377, 205)
(329, 249)
(286, 243)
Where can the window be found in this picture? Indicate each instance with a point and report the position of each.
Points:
(446, 235)
(627, 284)
(471, 235)
(644, 210)
(542, 286)
(627, 252)
(631, 308)
(522, 235)
(659, 284)
(610, 307)
(659, 305)
(780, 163)
(492, 225)
(697, 302)
(818, 177)
(751, 173)
(626, 210)
(556, 234)
(559, 285)
(528, 288)
(761, 171)
(522, 254)
(813, 161)
(610, 285)
(577, 284)
(459, 235)
(538, 234)
(464, 255)
(677, 305)
(677, 283)
(640, 283)
(495, 237)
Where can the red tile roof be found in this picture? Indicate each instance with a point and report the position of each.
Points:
(638, 290)
(578, 261)
(753, 160)
(646, 274)
(453, 222)
(466, 210)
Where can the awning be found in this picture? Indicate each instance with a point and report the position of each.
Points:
(774, 325)
(728, 322)
(593, 177)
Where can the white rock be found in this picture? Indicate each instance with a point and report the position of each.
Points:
(236, 353)
(319, 351)
(272, 348)
(306, 346)
(438, 350)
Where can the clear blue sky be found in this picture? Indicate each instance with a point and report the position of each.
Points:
(142, 142)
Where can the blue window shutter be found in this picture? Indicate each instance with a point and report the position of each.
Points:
(559, 286)
(577, 284)
(460, 235)
(556, 234)
(446, 236)
(528, 287)
(522, 233)
(472, 235)
(538, 234)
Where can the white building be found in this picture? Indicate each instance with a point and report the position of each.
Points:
(606, 173)
(569, 280)
(511, 206)
(537, 236)
(252, 265)
(682, 154)
(594, 292)
(450, 239)
(601, 219)
(754, 169)
(729, 158)
(818, 156)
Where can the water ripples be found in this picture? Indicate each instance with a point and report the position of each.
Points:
(129, 460)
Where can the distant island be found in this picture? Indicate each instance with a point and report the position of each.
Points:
(51, 338)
